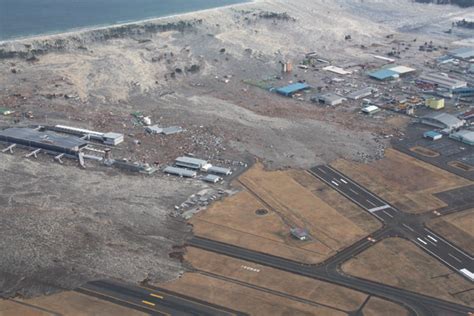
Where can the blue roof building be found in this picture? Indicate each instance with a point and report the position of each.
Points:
(292, 89)
(432, 135)
(464, 92)
(384, 74)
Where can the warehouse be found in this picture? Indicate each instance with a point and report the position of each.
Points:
(328, 98)
(219, 170)
(463, 53)
(464, 136)
(402, 70)
(211, 178)
(359, 94)
(46, 140)
(443, 121)
(443, 81)
(432, 135)
(291, 89)
(384, 74)
(181, 172)
(192, 163)
(107, 138)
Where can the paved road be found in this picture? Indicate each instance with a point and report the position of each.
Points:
(154, 301)
(417, 303)
(438, 247)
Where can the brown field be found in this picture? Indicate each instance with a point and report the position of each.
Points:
(424, 151)
(400, 263)
(292, 199)
(65, 303)
(376, 306)
(263, 290)
(404, 181)
(457, 227)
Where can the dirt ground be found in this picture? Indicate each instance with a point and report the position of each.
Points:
(63, 226)
(65, 303)
(287, 204)
(405, 182)
(410, 268)
(457, 227)
(238, 277)
(375, 306)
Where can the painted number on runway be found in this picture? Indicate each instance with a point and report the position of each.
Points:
(250, 268)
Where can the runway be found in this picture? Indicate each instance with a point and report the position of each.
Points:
(438, 247)
(154, 301)
(418, 304)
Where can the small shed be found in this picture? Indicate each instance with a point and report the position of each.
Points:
(328, 98)
(299, 233)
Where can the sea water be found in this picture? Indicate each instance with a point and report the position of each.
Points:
(21, 18)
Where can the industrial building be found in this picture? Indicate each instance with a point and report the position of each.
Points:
(443, 81)
(328, 98)
(432, 135)
(464, 136)
(46, 140)
(110, 138)
(192, 163)
(384, 74)
(359, 94)
(464, 92)
(434, 103)
(444, 121)
(371, 109)
(402, 70)
(181, 172)
(219, 170)
(463, 53)
(155, 129)
(291, 89)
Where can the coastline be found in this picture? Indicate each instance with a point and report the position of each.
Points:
(80, 30)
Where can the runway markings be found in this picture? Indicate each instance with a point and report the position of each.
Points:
(156, 295)
(433, 239)
(422, 241)
(335, 183)
(371, 203)
(148, 303)
(353, 191)
(467, 273)
(320, 169)
(379, 208)
(250, 268)
(388, 214)
(343, 181)
(406, 226)
(455, 258)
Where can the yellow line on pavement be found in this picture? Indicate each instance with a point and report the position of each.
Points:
(148, 303)
(156, 295)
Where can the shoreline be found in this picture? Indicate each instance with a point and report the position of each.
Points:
(137, 22)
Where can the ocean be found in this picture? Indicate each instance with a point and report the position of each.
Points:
(22, 18)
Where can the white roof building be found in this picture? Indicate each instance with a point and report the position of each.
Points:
(442, 121)
(443, 81)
